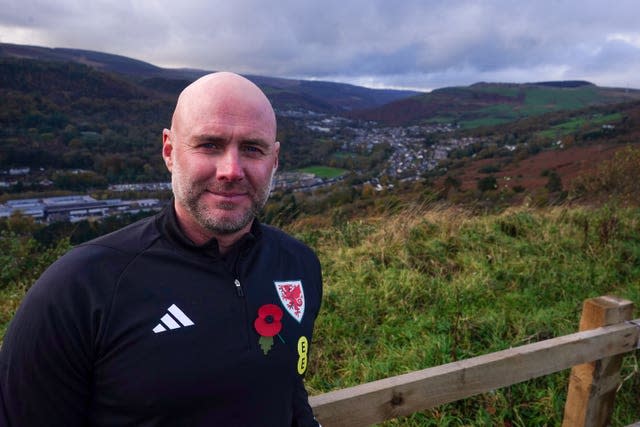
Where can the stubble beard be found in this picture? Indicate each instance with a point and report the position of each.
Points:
(190, 196)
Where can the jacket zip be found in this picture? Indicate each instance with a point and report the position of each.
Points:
(238, 288)
(240, 294)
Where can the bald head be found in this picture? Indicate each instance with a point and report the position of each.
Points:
(223, 95)
(222, 153)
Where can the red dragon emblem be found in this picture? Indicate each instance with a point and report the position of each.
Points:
(292, 296)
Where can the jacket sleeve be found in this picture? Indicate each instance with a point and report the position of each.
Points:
(45, 359)
(302, 413)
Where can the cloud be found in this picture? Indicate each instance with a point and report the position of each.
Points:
(413, 43)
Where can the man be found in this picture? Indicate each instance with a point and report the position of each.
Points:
(198, 316)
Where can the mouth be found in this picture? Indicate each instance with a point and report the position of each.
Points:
(229, 195)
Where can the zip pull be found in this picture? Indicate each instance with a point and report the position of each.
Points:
(238, 288)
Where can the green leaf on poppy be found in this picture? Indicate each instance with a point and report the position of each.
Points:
(265, 344)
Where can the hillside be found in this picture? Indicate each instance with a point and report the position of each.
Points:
(424, 288)
(68, 109)
(523, 157)
(65, 115)
(284, 93)
(485, 104)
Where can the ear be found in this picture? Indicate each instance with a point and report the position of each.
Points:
(167, 148)
(277, 155)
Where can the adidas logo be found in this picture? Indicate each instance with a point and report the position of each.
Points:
(173, 320)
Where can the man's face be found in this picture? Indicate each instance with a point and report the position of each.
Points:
(222, 160)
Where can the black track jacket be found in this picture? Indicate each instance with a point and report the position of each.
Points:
(142, 328)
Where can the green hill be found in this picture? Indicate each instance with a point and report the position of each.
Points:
(486, 104)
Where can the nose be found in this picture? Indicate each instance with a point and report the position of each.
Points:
(229, 166)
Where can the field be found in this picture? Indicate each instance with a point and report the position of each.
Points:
(324, 171)
(575, 124)
(535, 101)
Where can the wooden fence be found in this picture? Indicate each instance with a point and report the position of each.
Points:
(594, 354)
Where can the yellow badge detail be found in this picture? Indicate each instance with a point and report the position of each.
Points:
(303, 349)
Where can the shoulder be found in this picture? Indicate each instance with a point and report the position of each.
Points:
(109, 252)
(291, 258)
(284, 251)
(130, 239)
(98, 263)
(285, 242)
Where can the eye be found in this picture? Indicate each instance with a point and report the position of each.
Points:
(252, 149)
(209, 146)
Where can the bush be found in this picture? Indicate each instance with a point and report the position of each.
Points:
(554, 184)
(22, 259)
(487, 183)
(489, 169)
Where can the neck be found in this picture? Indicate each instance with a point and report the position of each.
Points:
(200, 235)
(226, 242)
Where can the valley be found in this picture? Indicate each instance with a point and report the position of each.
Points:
(450, 224)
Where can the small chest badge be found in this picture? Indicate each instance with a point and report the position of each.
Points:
(291, 294)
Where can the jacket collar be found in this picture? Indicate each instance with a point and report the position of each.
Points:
(168, 224)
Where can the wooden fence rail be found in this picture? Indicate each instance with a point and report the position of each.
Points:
(401, 395)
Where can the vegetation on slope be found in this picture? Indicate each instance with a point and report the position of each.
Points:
(427, 287)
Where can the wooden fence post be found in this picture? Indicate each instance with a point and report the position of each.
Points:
(592, 386)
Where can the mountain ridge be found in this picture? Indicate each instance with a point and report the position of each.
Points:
(328, 97)
(484, 104)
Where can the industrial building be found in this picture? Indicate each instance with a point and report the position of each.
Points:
(75, 208)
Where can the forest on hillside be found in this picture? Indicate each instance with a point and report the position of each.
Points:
(62, 118)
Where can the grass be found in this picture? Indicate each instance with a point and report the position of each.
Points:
(576, 123)
(21, 263)
(568, 99)
(509, 91)
(537, 100)
(491, 116)
(440, 120)
(424, 288)
(324, 171)
(486, 121)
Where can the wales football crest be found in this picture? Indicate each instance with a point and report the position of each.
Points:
(292, 297)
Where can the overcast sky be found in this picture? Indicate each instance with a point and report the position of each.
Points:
(403, 43)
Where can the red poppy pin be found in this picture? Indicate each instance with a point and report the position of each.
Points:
(268, 325)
